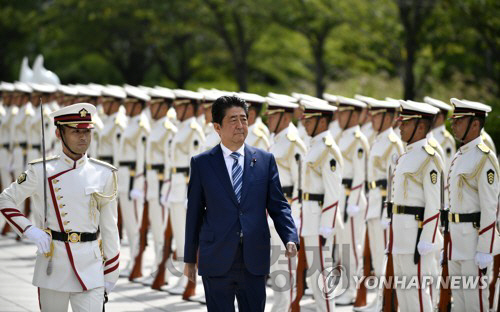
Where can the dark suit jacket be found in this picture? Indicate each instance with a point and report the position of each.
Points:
(215, 218)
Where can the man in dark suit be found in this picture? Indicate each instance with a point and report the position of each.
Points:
(231, 188)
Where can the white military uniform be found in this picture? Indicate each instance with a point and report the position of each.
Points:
(187, 142)
(320, 216)
(81, 199)
(5, 138)
(289, 151)
(131, 175)
(369, 132)
(416, 197)
(354, 147)
(157, 174)
(258, 135)
(113, 127)
(110, 135)
(384, 153)
(474, 190)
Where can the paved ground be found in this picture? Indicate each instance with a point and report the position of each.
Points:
(18, 294)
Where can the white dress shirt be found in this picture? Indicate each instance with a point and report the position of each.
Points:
(229, 160)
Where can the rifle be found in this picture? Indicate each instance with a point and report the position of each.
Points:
(445, 292)
(301, 261)
(143, 232)
(390, 299)
(167, 250)
(367, 263)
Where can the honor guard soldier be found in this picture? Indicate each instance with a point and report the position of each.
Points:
(5, 127)
(131, 174)
(384, 152)
(187, 142)
(115, 124)
(320, 217)
(354, 147)
(473, 191)
(289, 151)
(299, 113)
(397, 122)
(334, 125)
(34, 140)
(365, 120)
(258, 133)
(19, 127)
(416, 196)
(211, 136)
(157, 169)
(72, 265)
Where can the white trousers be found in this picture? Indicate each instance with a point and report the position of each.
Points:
(353, 235)
(475, 298)
(131, 218)
(318, 259)
(157, 220)
(416, 298)
(283, 275)
(377, 239)
(178, 219)
(57, 301)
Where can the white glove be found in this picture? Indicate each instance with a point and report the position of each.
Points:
(326, 232)
(483, 259)
(39, 237)
(384, 223)
(353, 210)
(164, 199)
(424, 247)
(297, 223)
(109, 286)
(136, 194)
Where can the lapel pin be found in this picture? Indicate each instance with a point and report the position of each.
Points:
(254, 160)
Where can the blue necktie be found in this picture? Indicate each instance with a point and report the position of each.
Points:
(237, 175)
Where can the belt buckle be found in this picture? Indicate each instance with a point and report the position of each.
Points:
(74, 237)
(174, 170)
(149, 167)
(132, 173)
(457, 217)
(373, 184)
(306, 196)
(394, 209)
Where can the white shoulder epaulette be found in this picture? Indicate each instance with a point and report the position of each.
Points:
(105, 164)
(429, 150)
(196, 126)
(39, 160)
(483, 148)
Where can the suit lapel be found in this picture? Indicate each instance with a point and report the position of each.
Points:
(247, 171)
(220, 169)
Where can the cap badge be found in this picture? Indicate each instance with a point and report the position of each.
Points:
(83, 113)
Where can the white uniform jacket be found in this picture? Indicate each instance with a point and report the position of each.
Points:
(187, 142)
(473, 187)
(384, 153)
(416, 183)
(322, 175)
(80, 198)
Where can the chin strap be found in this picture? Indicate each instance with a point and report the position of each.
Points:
(278, 124)
(467, 130)
(414, 131)
(382, 123)
(348, 120)
(315, 126)
(61, 132)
